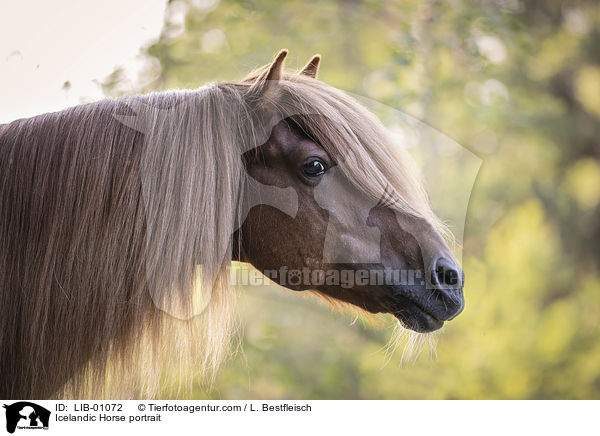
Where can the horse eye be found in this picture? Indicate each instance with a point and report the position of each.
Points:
(314, 168)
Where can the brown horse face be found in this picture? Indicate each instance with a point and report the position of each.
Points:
(341, 244)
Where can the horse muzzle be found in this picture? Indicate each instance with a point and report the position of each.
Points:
(425, 308)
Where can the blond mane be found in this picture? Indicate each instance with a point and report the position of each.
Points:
(107, 209)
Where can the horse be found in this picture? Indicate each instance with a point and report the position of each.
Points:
(120, 219)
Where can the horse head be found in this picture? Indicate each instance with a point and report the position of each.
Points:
(363, 232)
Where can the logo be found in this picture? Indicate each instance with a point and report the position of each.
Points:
(26, 415)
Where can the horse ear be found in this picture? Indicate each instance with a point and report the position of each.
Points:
(271, 74)
(275, 70)
(311, 69)
(263, 83)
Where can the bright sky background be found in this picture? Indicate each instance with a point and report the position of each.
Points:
(43, 44)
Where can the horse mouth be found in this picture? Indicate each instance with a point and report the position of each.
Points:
(414, 318)
(425, 311)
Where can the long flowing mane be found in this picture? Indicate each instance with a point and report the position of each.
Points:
(108, 209)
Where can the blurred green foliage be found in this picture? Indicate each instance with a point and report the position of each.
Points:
(516, 82)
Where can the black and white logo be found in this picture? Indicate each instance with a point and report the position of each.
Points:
(26, 415)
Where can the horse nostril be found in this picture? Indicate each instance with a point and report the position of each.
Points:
(445, 273)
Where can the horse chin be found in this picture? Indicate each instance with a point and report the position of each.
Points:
(420, 322)
(413, 317)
